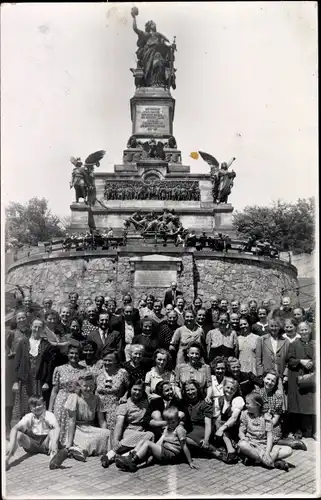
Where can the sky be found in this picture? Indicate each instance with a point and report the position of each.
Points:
(246, 87)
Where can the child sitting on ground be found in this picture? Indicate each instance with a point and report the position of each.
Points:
(256, 438)
(37, 432)
(168, 448)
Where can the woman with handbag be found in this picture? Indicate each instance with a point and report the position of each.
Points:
(302, 384)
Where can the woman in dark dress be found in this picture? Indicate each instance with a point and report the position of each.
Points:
(149, 340)
(302, 384)
(200, 414)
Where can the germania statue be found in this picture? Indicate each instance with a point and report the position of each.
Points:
(155, 57)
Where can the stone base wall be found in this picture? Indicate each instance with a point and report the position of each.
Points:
(113, 273)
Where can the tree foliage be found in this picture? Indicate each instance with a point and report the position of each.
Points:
(290, 226)
(30, 223)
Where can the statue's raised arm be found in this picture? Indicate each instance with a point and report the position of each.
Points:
(155, 56)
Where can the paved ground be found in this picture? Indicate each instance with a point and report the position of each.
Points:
(29, 477)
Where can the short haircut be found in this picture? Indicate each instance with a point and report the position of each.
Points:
(136, 347)
(216, 361)
(162, 351)
(255, 399)
(160, 385)
(91, 343)
(35, 400)
(200, 392)
(171, 412)
(74, 344)
(88, 377)
(231, 381)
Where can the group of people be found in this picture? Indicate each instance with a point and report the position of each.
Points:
(164, 381)
(91, 240)
(164, 190)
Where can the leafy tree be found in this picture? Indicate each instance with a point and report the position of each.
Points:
(30, 223)
(290, 226)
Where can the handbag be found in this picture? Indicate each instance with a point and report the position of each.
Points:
(306, 381)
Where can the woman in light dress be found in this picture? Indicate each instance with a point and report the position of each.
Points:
(247, 347)
(84, 438)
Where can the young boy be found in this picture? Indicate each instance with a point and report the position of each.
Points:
(37, 432)
(171, 444)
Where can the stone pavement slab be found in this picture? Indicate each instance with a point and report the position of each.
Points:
(29, 478)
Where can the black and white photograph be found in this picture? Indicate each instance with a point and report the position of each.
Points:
(160, 250)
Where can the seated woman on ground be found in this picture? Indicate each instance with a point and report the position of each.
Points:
(37, 432)
(200, 414)
(273, 405)
(227, 419)
(129, 424)
(153, 419)
(83, 438)
(168, 448)
(159, 372)
(256, 439)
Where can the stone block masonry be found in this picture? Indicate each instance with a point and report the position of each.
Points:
(112, 273)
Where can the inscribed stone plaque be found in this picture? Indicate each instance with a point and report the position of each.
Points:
(155, 278)
(152, 119)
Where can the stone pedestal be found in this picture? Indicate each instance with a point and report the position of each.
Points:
(145, 182)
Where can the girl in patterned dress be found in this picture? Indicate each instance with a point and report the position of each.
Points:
(84, 438)
(112, 384)
(256, 440)
(64, 377)
(129, 430)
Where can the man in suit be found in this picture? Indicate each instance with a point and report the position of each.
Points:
(171, 295)
(107, 337)
(212, 314)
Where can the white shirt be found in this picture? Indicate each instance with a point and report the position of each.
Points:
(34, 346)
(38, 426)
(297, 336)
(103, 335)
(274, 343)
(129, 333)
(217, 392)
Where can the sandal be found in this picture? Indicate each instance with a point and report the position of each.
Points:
(282, 465)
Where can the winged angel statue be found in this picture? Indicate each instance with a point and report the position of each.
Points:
(222, 178)
(82, 177)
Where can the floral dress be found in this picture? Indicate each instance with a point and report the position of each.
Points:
(111, 388)
(134, 412)
(64, 377)
(88, 438)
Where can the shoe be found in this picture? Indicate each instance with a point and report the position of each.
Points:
(298, 445)
(58, 458)
(248, 461)
(77, 454)
(297, 435)
(105, 462)
(231, 458)
(282, 465)
(126, 464)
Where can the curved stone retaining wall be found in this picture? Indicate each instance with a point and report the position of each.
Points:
(146, 271)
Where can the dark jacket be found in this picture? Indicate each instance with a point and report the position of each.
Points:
(300, 400)
(114, 340)
(169, 297)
